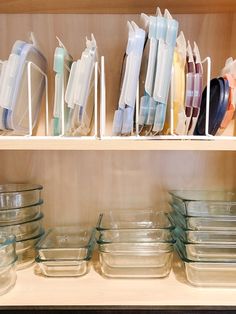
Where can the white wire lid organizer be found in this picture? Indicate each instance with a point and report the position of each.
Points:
(30, 66)
(172, 135)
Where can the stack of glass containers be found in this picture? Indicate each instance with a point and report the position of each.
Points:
(135, 244)
(20, 215)
(8, 260)
(66, 251)
(205, 236)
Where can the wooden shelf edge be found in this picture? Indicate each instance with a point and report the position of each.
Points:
(118, 6)
(65, 144)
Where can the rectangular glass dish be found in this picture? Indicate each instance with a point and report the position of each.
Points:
(210, 274)
(133, 219)
(136, 260)
(203, 223)
(205, 203)
(208, 252)
(19, 195)
(133, 235)
(218, 237)
(66, 251)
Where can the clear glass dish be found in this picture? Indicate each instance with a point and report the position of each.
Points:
(136, 260)
(26, 251)
(7, 277)
(203, 223)
(24, 230)
(19, 195)
(133, 219)
(66, 268)
(223, 237)
(19, 215)
(205, 203)
(7, 249)
(208, 252)
(210, 274)
(132, 235)
(66, 251)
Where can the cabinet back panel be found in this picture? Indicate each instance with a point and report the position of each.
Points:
(78, 185)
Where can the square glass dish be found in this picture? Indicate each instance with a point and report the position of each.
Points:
(203, 223)
(19, 195)
(133, 219)
(24, 230)
(205, 203)
(135, 260)
(66, 251)
(19, 215)
(209, 274)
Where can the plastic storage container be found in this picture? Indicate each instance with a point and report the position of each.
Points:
(19, 195)
(66, 251)
(205, 203)
(135, 260)
(19, 215)
(24, 230)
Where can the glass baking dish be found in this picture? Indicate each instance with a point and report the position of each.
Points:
(19, 215)
(66, 251)
(24, 230)
(204, 223)
(208, 252)
(19, 195)
(7, 249)
(26, 251)
(7, 277)
(132, 235)
(228, 237)
(135, 260)
(210, 274)
(205, 203)
(133, 219)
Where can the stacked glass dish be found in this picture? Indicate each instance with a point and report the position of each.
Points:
(8, 260)
(20, 215)
(66, 251)
(135, 244)
(205, 236)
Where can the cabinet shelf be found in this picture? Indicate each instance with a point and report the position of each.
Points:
(52, 143)
(118, 6)
(94, 290)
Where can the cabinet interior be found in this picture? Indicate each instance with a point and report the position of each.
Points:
(215, 39)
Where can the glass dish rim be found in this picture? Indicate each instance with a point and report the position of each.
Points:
(34, 237)
(33, 187)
